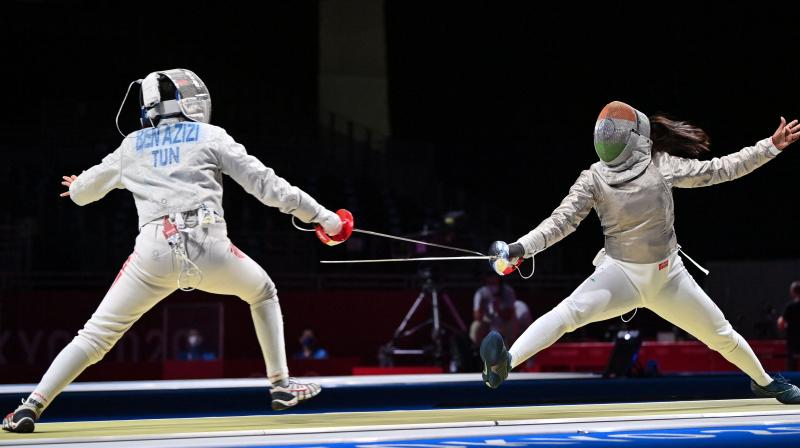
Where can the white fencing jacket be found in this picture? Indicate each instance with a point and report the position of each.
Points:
(178, 166)
(637, 215)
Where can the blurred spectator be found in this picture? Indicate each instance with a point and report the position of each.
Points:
(495, 307)
(790, 322)
(193, 348)
(765, 327)
(309, 348)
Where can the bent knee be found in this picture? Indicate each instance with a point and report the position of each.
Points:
(568, 317)
(98, 338)
(268, 293)
(724, 339)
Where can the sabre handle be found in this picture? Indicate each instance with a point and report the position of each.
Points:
(347, 229)
(504, 263)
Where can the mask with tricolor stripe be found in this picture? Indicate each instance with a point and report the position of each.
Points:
(615, 131)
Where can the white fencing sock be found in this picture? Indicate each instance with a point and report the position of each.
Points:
(268, 321)
(69, 363)
(744, 358)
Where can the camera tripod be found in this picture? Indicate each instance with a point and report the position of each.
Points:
(437, 350)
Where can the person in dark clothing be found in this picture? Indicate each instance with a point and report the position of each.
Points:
(790, 322)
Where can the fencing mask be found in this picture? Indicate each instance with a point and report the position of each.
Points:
(622, 141)
(191, 98)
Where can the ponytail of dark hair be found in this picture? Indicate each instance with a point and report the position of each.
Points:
(677, 138)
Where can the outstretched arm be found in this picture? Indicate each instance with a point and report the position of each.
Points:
(564, 219)
(95, 182)
(692, 173)
(269, 188)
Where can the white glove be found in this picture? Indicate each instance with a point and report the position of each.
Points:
(331, 223)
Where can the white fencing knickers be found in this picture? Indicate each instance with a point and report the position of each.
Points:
(149, 275)
(617, 287)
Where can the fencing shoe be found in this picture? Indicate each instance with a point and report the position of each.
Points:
(289, 393)
(496, 360)
(780, 388)
(23, 419)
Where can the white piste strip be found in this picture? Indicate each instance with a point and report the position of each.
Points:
(324, 381)
(264, 432)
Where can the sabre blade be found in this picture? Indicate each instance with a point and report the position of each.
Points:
(399, 238)
(393, 260)
(409, 240)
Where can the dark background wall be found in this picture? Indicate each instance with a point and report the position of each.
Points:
(490, 111)
(509, 94)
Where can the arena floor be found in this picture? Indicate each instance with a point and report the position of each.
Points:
(747, 422)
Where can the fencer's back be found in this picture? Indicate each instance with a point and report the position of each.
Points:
(172, 168)
(178, 167)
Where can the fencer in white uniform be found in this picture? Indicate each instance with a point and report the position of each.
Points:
(174, 167)
(630, 188)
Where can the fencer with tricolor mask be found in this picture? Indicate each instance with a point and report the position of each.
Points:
(630, 189)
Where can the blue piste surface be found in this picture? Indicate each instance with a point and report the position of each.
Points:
(721, 436)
